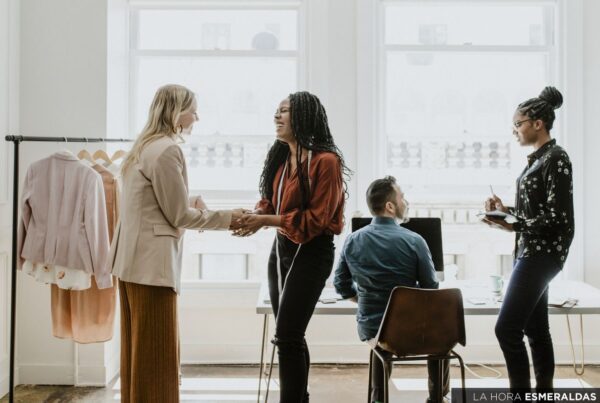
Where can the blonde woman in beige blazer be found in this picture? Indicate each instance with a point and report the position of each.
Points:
(147, 247)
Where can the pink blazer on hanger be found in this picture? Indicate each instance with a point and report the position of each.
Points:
(64, 217)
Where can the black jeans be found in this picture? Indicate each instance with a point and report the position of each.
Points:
(433, 366)
(302, 285)
(525, 312)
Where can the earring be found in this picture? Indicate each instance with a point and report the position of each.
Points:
(179, 129)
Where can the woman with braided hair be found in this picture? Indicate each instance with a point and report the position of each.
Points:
(544, 231)
(303, 192)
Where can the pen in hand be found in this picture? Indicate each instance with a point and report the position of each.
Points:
(492, 205)
(495, 202)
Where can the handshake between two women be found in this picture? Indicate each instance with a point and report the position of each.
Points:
(247, 222)
(243, 222)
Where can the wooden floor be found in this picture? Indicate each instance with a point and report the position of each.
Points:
(328, 383)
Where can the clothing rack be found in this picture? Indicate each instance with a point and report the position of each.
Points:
(17, 140)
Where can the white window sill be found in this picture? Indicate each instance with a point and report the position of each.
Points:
(220, 285)
(225, 295)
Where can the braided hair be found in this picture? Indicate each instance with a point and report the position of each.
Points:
(542, 107)
(311, 131)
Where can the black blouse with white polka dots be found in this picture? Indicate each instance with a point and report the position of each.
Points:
(544, 205)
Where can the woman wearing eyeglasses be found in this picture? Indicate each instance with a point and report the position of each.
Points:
(544, 231)
(303, 190)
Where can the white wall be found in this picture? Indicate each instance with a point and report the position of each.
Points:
(4, 202)
(591, 133)
(63, 92)
(9, 111)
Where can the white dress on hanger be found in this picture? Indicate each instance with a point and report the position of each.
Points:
(63, 277)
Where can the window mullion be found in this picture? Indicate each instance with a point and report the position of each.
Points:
(213, 53)
(214, 5)
(466, 48)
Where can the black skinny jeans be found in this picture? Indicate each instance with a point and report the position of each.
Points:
(525, 312)
(303, 284)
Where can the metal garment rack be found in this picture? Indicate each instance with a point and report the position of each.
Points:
(17, 140)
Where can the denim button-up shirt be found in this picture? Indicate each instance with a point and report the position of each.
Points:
(374, 260)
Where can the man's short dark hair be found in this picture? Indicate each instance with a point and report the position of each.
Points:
(380, 192)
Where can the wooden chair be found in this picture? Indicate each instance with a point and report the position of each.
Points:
(420, 324)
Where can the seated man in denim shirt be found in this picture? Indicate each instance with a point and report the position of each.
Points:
(379, 257)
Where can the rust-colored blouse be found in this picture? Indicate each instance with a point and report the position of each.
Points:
(325, 212)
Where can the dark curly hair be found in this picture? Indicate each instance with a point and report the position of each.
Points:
(542, 107)
(311, 131)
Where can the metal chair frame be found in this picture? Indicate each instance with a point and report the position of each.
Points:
(387, 359)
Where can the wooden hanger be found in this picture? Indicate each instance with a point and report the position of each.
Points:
(85, 155)
(118, 155)
(102, 155)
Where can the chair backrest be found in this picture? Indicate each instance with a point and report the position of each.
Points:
(422, 322)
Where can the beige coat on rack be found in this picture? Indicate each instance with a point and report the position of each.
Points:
(149, 250)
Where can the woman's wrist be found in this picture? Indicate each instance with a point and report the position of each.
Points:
(270, 220)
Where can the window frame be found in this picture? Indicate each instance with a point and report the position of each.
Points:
(550, 50)
(216, 199)
(136, 54)
(565, 65)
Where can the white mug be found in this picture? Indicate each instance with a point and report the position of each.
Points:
(496, 284)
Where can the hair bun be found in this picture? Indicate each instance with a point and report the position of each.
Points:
(552, 96)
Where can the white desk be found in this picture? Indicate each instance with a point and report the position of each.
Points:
(588, 296)
(588, 303)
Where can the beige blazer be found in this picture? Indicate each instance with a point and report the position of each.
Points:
(64, 217)
(154, 210)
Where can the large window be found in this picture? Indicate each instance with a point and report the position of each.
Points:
(449, 76)
(452, 75)
(241, 59)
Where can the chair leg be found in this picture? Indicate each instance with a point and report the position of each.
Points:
(369, 389)
(270, 372)
(440, 382)
(386, 396)
(262, 354)
(462, 376)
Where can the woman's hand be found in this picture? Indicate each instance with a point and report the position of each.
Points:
(237, 217)
(495, 203)
(498, 223)
(249, 224)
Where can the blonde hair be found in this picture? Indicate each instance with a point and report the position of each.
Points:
(169, 102)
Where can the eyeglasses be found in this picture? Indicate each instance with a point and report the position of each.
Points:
(518, 124)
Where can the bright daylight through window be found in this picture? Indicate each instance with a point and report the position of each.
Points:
(240, 62)
(453, 74)
(450, 77)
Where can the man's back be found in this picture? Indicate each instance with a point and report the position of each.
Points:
(378, 258)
